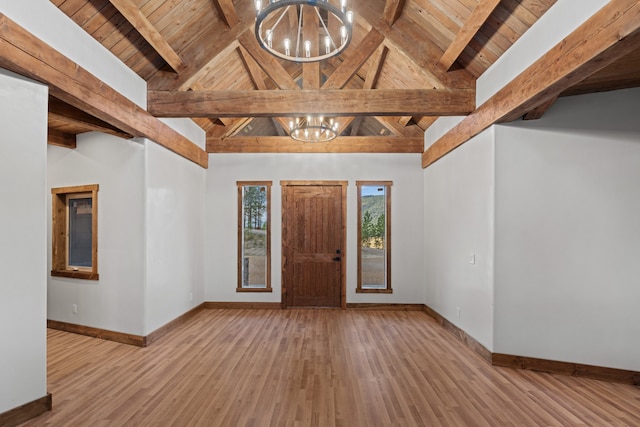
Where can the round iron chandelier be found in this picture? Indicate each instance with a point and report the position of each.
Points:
(313, 129)
(280, 28)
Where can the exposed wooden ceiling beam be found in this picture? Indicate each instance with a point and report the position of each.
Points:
(356, 122)
(227, 12)
(394, 125)
(539, 111)
(392, 11)
(140, 22)
(269, 63)
(207, 123)
(225, 131)
(256, 74)
(370, 81)
(345, 102)
(355, 59)
(404, 36)
(204, 123)
(404, 121)
(23, 53)
(224, 42)
(75, 117)
(608, 35)
(253, 69)
(478, 17)
(425, 122)
(311, 70)
(285, 144)
(60, 139)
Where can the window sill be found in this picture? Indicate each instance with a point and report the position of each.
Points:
(373, 291)
(86, 275)
(254, 290)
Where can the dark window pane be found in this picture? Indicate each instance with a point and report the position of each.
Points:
(80, 232)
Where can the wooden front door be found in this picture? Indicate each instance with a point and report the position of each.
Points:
(313, 244)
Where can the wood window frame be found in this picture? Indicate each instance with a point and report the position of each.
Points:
(60, 232)
(241, 185)
(388, 289)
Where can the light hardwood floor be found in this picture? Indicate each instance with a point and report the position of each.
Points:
(305, 367)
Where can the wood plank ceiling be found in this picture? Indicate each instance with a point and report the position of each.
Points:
(206, 49)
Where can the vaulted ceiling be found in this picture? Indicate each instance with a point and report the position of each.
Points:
(410, 61)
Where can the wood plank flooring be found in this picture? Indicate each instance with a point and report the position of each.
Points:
(305, 367)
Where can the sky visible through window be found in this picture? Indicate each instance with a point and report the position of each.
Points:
(372, 190)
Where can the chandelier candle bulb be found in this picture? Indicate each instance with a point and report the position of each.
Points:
(287, 47)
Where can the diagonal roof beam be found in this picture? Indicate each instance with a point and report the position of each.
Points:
(227, 12)
(224, 131)
(394, 125)
(223, 43)
(25, 54)
(407, 37)
(140, 22)
(269, 63)
(478, 17)
(338, 102)
(370, 81)
(255, 73)
(352, 63)
(392, 11)
(609, 34)
(425, 122)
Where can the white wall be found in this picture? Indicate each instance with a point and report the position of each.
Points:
(118, 300)
(43, 19)
(406, 212)
(458, 218)
(567, 233)
(175, 224)
(115, 301)
(557, 23)
(23, 164)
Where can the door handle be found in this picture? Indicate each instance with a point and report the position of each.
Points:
(337, 258)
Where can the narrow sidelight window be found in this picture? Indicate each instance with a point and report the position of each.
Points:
(374, 236)
(74, 232)
(254, 236)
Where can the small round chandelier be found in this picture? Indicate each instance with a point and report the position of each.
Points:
(280, 30)
(313, 129)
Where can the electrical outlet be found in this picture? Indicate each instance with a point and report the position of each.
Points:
(472, 259)
(74, 308)
(190, 296)
(459, 310)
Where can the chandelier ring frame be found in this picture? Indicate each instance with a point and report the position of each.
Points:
(273, 7)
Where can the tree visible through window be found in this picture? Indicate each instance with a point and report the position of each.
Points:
(374, 232)
(254, 237)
